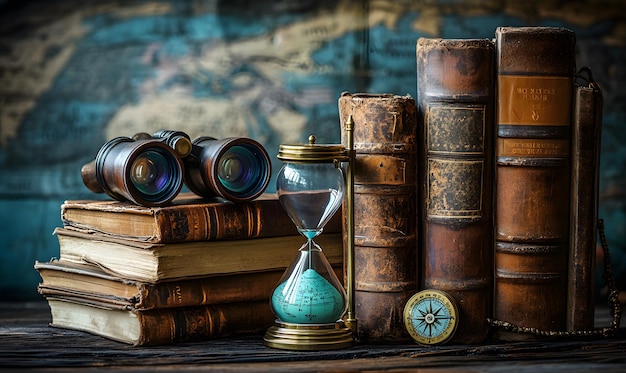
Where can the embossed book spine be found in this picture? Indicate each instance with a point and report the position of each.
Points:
(384, 211)
(189, 218)
(456, 99)
(586, 134)
(535, 67)
(160, 327)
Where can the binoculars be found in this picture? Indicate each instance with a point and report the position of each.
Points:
(149, 170)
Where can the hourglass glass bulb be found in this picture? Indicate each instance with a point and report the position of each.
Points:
(309, 296)
(310, 193)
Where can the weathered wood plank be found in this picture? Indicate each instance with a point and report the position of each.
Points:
(27, 342)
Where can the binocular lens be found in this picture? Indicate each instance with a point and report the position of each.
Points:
(146, 172)
(239, 169)
(151, 173)
(235, 168)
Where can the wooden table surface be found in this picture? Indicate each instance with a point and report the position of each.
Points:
(26, 341)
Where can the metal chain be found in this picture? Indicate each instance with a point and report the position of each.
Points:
(616, 310)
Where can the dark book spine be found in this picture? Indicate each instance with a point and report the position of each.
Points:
(586, 137)
(456, 99)
(233, 288)
(175, 325)
(208, 290)
(535, 67)
(228, 221)
(385, 188)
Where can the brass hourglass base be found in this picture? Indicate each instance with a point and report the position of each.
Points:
(308, 337)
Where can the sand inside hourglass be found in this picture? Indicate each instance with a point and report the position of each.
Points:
(311, 210)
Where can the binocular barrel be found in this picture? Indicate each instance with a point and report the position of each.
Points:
(149, 169)
(177, 140)
(234, 168)
(146, 172)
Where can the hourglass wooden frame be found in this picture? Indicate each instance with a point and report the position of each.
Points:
(341, 332)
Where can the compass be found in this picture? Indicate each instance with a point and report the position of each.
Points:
(431, 317)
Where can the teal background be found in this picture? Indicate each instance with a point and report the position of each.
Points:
(75, 74)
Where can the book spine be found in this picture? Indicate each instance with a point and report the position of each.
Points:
(155, 263)
(175, 325)
(456, 99)
(586, 138)
(385, 201)
(535, 67)
(208, 290)
(226, 221)
(184, 221)
(211, 290)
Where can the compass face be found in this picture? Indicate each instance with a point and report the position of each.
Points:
(431, 317)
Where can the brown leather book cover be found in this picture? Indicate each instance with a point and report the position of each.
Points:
(456, 99)
(586, 139)
(160, 327)
(385, 215)
(90, 282)
(188, 218)
(84, 281)
(535, 67)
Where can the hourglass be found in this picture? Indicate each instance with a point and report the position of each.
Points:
(309, 300)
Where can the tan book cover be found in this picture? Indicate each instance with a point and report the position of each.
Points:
(153, 262)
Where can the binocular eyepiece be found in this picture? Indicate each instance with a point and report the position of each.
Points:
(149, 170)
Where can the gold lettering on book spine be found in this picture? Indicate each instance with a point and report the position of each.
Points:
(534, 100)
(532, 147)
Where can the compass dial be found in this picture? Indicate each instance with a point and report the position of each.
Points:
(431, 317)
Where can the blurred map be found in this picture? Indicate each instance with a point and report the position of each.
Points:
(74, 74)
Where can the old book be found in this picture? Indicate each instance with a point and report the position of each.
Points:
(164, 326)
(456, 99)
(189, 218)
(535, 67)
(152, 262)
(385, 203)
(61, 278)
(586, 137)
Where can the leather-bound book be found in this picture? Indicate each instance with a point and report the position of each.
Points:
(160, 327)
(154, 263)
(535, 67)
(188, 218)
(385, 217)
(91, 283)
(456, 99)
(586, 134)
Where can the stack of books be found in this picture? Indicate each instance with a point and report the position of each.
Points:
(194, 270)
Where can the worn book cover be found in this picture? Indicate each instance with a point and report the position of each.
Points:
(188, 218)
(152, 262)
(535, 67)
(62, 278)
(160, 327)
(456, 99)
(586, 139)
(385, 203)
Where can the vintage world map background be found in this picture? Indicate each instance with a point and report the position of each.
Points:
(74, 74)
